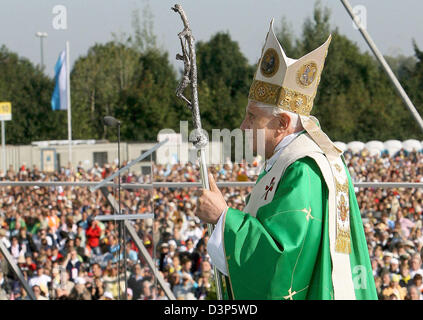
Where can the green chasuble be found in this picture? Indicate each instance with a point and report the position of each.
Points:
(283, 252)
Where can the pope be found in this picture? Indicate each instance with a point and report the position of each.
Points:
(300, 235)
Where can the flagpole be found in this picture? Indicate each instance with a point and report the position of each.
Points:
(69, 103)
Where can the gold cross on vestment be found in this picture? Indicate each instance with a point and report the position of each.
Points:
(290, 294)
(308, 212)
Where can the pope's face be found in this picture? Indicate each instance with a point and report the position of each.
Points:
(263, 128)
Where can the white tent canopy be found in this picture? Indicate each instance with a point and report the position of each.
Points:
(393, 144)
(355, 146)
(412, 145)
(376, 147)
(375, 144)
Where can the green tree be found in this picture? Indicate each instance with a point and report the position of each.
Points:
(29, 91)
(224, 78)
(97, 80)
(150, 104)
(412, 77)
(221, 59)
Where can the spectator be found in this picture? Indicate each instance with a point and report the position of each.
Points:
(174, 280)
(79, 291)
(97, 289)
(41, 280)
(416, 264)
(418, 282)
(135, 281)
(395, 266)
(188, 285)
(131, 255)
(83, 252)
(164, 256)
(96, 270)
(30, 264)
(405, 224)
(93, 236)
(146, 293)
(204, 285)
(25, 239)
(395, 289)
(186, 265)
(66, 285)
(414, 293)
(39, 294)
(205, 267)
(405, 275)
(21, 294)
(17, 249)
(73, 264)
(111, 282)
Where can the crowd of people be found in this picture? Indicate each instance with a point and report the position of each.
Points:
(63, 252)
(392, 221)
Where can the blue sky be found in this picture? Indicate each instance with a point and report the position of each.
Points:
(392, 24)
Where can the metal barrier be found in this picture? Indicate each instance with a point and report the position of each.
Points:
(180, 185)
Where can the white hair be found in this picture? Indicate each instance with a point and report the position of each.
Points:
(275, 111)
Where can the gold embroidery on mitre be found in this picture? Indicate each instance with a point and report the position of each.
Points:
(264, 92)
(270, 63)
(307, 74)
(282, 97)
(294, 101)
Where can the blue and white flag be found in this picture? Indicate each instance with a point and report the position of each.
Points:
(59, 98)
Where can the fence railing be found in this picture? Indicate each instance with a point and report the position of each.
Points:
(154, 185)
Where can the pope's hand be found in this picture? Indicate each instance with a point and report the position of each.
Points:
(210, 204)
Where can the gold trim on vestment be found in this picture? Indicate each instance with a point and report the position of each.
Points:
(343, 236)
(342, 187)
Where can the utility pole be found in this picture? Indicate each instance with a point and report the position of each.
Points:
(41, 35)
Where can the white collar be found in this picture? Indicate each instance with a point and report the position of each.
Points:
(279, 148)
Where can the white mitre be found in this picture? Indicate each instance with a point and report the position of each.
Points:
(291, 84)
